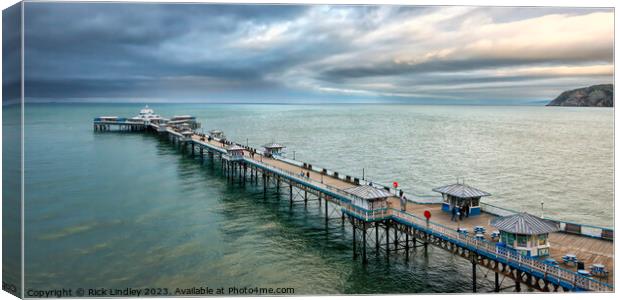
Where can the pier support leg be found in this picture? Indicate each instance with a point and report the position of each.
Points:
(305, 198)
(364, 258)
(518, 282)
(496, 282)
(264, 185)
(354, 243)
(395, 238)
(290, 194)
(407, 246)
(377, 237)
(387, 240)
(473, 273)
(326, 215)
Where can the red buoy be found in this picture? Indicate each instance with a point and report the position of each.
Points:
(427, 214)
(395, 184)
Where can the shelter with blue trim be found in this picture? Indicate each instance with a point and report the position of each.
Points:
(460, 194)
(525, 233)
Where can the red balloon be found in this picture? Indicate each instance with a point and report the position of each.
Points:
(427, 214)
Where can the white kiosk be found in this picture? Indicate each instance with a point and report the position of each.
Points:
(525, 233)
(368, 197)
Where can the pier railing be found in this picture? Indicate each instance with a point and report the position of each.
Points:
(505, 255)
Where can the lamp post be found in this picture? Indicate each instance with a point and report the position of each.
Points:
(293, 154)
(542, 208)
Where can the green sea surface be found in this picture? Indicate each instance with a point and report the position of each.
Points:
(120, 210)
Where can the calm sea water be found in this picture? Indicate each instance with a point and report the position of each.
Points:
(128, 210)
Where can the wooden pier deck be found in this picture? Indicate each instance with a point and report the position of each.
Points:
(410, 223)
(587, 249)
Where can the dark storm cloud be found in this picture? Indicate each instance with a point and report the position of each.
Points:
(244, 52)
(453, 65)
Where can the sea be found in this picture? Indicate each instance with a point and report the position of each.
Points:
(129, 210)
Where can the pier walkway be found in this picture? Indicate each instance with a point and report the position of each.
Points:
(410, 228)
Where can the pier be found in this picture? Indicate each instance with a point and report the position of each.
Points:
(383, 224)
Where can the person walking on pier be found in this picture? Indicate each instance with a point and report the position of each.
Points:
(466, 210)
(461, 213)
(454, 210)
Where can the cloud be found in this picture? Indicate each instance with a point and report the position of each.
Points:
(250, 53)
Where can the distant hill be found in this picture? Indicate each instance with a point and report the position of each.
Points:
(601, 95)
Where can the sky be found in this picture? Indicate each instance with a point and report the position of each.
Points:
(138, 52)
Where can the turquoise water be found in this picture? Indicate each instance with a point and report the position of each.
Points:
(124, 210)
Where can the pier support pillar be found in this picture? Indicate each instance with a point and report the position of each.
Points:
(396, 238)
(354, 242)
(387, 239)
(364, 258)
(377, 237)
(290, 193)
(496, 282)
(473, 273)
(407, 246)
(264, 185)
(518, 282)
(305, 197)
(326, 213)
